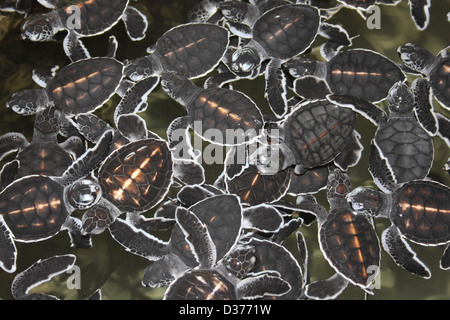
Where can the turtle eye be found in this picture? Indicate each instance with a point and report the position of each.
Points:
(37, 28)
(84, 194)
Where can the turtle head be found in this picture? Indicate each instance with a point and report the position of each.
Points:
(234, 11)
(37, 28)
(415, 57)
(338, 185)
(28, 102)
(96, 220)
(48, 120)
(140, 68)
(244, 60)
(401, 98)
(301, 66)
(366, 201)
(240, 260)
(83, 194)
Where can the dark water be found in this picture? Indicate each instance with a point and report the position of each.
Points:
(118, 273)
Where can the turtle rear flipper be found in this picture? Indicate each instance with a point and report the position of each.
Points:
(8, 173)
(444, 128)
(41, 271)
(420, 13)
(11, 142)
(400, 251)
(135, 23)
(8, 251)
(327, 289)
(262, 285)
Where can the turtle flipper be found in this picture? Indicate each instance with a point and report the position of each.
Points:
(310, 87)
(137, 241)
(39, 272)
(189, 172)
(135, 99)
(11, 142)
(132, 126)
(445, 261)
(263, 218)
(77, 239)
(8, 174)
(420, 13)
(198, 237)
(262, 285)
(444, 128)
(327, 289)
(276, 88)
(135, 23)
(74, 48)
(423, 107)
(8, 251)
(380, 169)
(402, 253)
(337, 39)
(163, 272)
(351, 154)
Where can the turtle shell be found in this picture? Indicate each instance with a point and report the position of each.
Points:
(192, 49)
(349, 242)
(43, 159)
(362, 73)
(253, 187)
(201, 285)
(317, 132)
(137, 176)
(85, 85)
(224, 110)
(407, 147)
(96, 16)
(421, 212)
(287, 31)
(440, 81)
(33, 208)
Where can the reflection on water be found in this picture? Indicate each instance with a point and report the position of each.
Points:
(117, 272)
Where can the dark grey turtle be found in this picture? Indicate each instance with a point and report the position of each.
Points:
(44, 155)
(220, 222)
(217, 115)
(82, 86)
(419, 212)
(205, 11)
(311, 181)
(312, 135)
(191, 50)
(361, 73)
(36, 207)
(280, 34)
(419, 9)
(39, 272)
(83, 18)
(348, 241)
(136, 175)
(434, 68)
(402, 150)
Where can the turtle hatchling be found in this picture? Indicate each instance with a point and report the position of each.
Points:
(361, 73)
(436, 69)
(348, 241)
(83, 18)
(419, 212)
(80, 87)
(37, 207)
(44, 155)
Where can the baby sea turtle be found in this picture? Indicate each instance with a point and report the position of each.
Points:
(20, 6)
(280, 34)
(83, 18)
(39, 272)
(218, 115)
(348, 241)
(221, 222)
(37, 207)
(82, 86)
(419, 9)
(361, 73)
(191, 50)
(134, 177)
(434, 68)
(312, 135)
(402, 150)
(44, 155)
(419, 212)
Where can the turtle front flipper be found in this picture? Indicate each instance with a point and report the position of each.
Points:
(135, 23)
(262, 285)
(8, 251)
(401, 252)
(420, 13)
(276, 88)
(423, 107)
(445, 261)
(39, 272)
(337, 39)
(380, 169)
(444, 128)
(74, 48)
(327, 289)
(8, 174)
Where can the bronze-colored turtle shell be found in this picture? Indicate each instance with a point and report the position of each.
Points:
(85, 85)
(33, 208)
(421, 211)
(137, 176)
